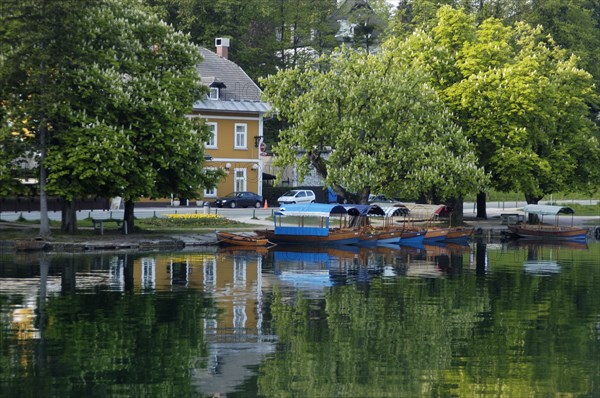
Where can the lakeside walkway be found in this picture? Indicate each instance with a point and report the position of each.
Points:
(490, 228)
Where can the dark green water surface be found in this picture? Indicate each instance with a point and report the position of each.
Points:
(498, 320)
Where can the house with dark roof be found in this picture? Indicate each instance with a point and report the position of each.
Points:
(234, 112)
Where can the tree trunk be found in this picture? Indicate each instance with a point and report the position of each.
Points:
(456, 215)
(68, 216)
(532, 200)
(482, 205)
(363, 196)
(44, 221)
(128, 215)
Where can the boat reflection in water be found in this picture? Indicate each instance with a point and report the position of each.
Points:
(543, 257)
(315, 268)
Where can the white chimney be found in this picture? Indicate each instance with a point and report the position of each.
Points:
(222, 45)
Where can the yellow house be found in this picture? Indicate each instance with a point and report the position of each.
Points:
(234, 113)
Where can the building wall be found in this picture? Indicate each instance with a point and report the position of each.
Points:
(245, 160)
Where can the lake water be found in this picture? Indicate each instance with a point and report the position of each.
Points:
(501, 320)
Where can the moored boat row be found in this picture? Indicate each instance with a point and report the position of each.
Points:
(314, 227)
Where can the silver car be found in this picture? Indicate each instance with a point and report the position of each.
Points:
(297, 196)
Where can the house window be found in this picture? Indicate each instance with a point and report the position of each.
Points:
(240, 180)
(210, 192)
(241, 136)
(212, 138)
(214, 93)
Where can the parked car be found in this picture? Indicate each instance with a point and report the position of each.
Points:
(380, 199)
(240, 199)
(297, 196)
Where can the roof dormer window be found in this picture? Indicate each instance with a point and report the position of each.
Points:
(215, 89)
(214, 93)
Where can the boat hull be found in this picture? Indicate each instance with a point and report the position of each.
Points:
(411, 237)
(459, 233)
(549, 232)
(435, 235)
(228, 238)
(333, 238)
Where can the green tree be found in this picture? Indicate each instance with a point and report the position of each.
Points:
(520, 98)
(120, 98)
(383, 128)
(574, 25)
(34, 41)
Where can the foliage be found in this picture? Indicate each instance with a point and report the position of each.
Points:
(520, 98)
(385, 130)
(113, 95)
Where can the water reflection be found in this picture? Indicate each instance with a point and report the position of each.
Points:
(390, 320)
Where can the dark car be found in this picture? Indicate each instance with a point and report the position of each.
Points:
(240, 199)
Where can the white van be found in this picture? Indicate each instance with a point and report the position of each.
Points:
(297, 196)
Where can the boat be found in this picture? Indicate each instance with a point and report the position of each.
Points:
(234, 239)
(368, 238)
(379, 235)
(436, 234)
(411, 237)
(547, 231)
(333, 237)
(313, 225)
(459, 233)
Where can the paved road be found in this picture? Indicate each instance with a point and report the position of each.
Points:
(257, 216)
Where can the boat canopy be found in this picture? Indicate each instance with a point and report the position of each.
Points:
(548, 210)
(425, 211)
(396, 211)
(311, 209)
(364, 210)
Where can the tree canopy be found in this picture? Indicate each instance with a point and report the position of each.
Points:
(522, 100)
(120, 84)
(380, 124)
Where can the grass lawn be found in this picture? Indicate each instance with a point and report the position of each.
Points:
(144, 227)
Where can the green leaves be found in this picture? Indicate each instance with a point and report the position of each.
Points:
(115, 93)
(520, 98)
(374, 124)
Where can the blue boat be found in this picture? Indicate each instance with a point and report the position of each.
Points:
(306, 233)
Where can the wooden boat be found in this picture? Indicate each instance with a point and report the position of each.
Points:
(368, 238)
(309, 233)
(411, 237)
(545, 231)
(388, 236)
(242, 240)
(459, 233)
(379, 235)
(549, 231)
(435, 234)
(333, 237)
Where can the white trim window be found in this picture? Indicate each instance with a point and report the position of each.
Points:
(210, 192)
(241, 136)
(214, 94)
(240, 180)
(212, 138)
